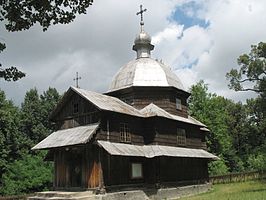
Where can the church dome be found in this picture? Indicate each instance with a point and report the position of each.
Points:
(145, 72)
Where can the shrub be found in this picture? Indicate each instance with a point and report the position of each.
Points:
(257, 162)
(217, 167)
(27, 175)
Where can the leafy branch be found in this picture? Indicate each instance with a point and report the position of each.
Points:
(252, 70)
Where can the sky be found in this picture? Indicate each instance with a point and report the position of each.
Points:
(198, 39)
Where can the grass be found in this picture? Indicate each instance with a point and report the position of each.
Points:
(251, 190)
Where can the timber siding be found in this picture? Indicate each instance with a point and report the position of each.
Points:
(154, 130)
(77, 167)
(87, 113)
(155, 170)
(139, 97)
(90, 164)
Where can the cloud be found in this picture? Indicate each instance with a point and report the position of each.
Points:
(99, 43)
(208, 53)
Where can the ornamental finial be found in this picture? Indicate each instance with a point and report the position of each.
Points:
(141, 16)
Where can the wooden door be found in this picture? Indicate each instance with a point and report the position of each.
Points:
(94, 174)
(75, 170)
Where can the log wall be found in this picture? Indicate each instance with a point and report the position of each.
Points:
(150, 131)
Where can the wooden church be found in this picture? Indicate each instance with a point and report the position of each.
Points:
(138, 134)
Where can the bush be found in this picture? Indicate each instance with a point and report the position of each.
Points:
(27, 175)
(217, 167)
(257, 162)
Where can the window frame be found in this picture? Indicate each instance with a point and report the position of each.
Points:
(131, 171)
(178, 103)
(125, 135)
(181, 137)
(75, 107)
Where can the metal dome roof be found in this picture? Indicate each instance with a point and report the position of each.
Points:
(143, 38)
(145, 72)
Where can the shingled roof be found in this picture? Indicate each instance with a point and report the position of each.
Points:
(113, 104)
(68, 137)
(151, 151)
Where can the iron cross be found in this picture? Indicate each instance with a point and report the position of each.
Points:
(77, 79)
(141, 14)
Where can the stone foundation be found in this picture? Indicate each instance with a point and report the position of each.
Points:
(145, 194)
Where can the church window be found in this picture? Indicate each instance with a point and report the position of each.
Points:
(125, 135)
(178, 104)
(181, 136)
(75, 108)
(136, 171)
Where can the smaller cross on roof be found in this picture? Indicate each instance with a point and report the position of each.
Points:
(141, 15)
(77, 79)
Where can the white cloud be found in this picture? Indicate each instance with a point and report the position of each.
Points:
(99, 43)
(208, 53)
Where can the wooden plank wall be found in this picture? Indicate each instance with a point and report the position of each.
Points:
(136, 127)
(183, 169)
(150, 131)
(165, 98)
(90, 166)
(87, 113)
(155, 170)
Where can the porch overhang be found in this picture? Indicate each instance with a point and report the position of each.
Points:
(68, 137)
(151, 151)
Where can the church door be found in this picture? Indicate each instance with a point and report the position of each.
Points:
(75, 169)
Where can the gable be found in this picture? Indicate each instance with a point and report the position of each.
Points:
(74, 110)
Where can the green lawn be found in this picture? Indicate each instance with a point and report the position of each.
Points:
(252, 190)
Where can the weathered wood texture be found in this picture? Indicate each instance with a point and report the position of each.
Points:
(76, 112)
(77, 167)
(238, 177)
(117, 170)
(165, 98)
(113, 130)
(150, 131)
(143, 131)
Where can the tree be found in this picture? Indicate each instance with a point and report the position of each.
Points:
(35, 111)
(11, 139)
(23, 170)
(211, 110)
(11, 73)
(23, 14)
(251, 76)
(252, 70)
(219, 114)
(49, 99)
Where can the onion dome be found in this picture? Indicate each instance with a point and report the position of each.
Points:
(142, 45)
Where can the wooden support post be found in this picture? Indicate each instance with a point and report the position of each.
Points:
(101, 180)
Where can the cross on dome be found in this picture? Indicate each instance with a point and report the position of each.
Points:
(141, 16)
(77, 79)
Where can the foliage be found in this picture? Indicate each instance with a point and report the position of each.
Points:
(35, 112)
(22, 171)
(11, 73)
(23, 14)
(234, 191)
(236, 130)
(257, 162)
(212, 111)
(252, 72)
(27, 175)
(252, 69)
(218, 167)
(11, 141)
(252, 76)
